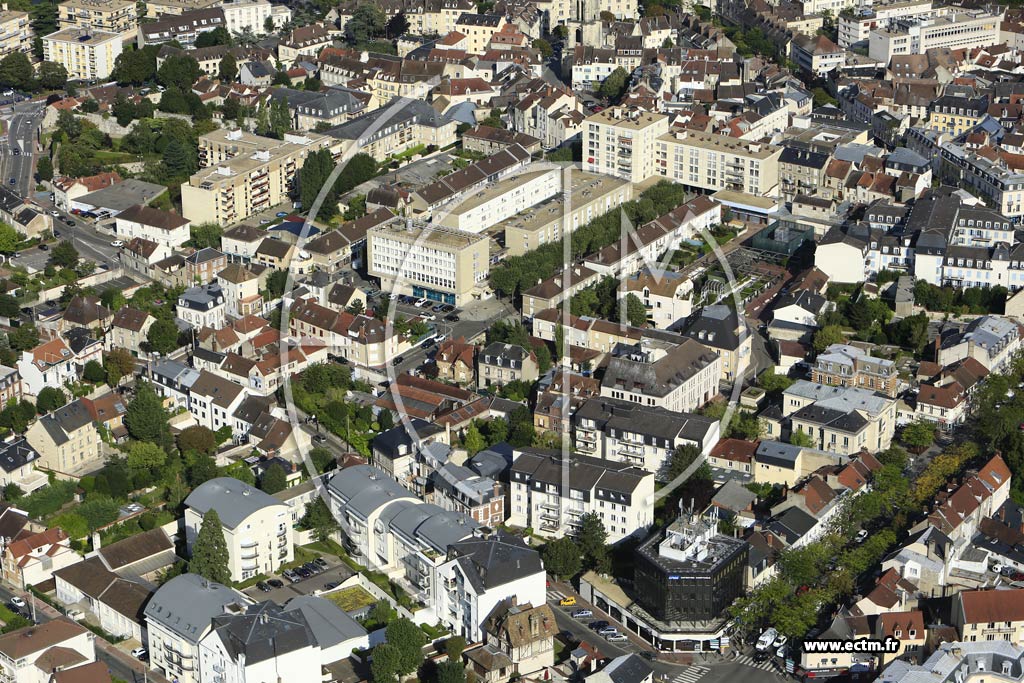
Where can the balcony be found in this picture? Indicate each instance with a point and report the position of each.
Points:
(549, 516)
(253, 556)
(248, 544)
(548, 506)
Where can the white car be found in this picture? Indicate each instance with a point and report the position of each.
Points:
(139, 652)
(117, 243)
(862, 535)
(55, 213)
(766, 640)
(997, 567)
(781, 641)
(18, 602)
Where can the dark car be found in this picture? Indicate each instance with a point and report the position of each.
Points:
(597, 625)
(44, 247)
(276, 583)
(398, 360)
(14, 181)
(452, 318)
(311, 568)
(447, 308)
(263, 586)
(438, 308)
(303, 572)
(331, 585)
(647, 654)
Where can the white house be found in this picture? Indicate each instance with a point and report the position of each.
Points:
(203, 306)
(162, 227)
(30, 654)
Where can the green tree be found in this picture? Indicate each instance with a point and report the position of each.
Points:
(135, 67)
(919, 435)
(454, 646)
(614, 86)
(636, 314)
(206, 235)
(397, 26)
(52, 76)
(592, 539)
(94, 372)
(682, 457)
(210, 550)
(544, 47)
(385, 663)
(118, 363)
(143, 455)
(218, 36)
(64, 255)
(802, 439)
(451, 671)
(273, 479)
(9, 239)
(13, 492)
(773, 383)
(179, 71)
(319, 520)
(146, 419)
(366, 23)
(44, 168)
(179, 160)
(23, 338)
(827, 336)
(197, 438)
(474, 441)
(381, 613)
(228, 70)
(16, 71)
(409, 640)
(562, 557)
(50, 399)
(162, 336)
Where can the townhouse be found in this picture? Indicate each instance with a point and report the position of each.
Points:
(365, 342)
(986, 615)
(212, 399)
(667, 296)
(162, 227)
(50, 364)
(28, 655)
(719, 328)
(542, 499)
(32, 559)
(499, 363)
(842, 420)
(66, 440)
(991, 340)
(18, 464)
(128, 330)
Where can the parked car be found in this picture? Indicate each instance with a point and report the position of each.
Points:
(320, 562)
(452, 318)
(607, 630)
(263, 586)
(43, 247)
(303, 572)
(597, 625)
(862, 536)
(139, 652)
(766, 640)
(438, 308)
(291, 575)
(448, 308)
(582, 614)
(331, 585)
(320, 438)
(117, 243)
(997, 567)
(18, 602)
(276, 583)
(616, 638)
(780, 641)
(568, 601)
(281, 214)
(647, 654)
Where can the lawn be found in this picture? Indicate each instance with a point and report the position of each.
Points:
(351, 599)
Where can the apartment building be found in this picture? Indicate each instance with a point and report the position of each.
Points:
(66, 440)
(363, 341)
(256, 526)
(427, 261)
(479, 29)
(720, 329)
(849, 366)
(252, 15)
(15, 32)
(679, 377)
(430, 18)
(409, 124)
(540, 497)
(983, 615)
(591, 195)
(993, 179)
(817, 55)
(86, 53)
(841, 420)
(162, 227)
(158, 8)
(501, 200)
(855, 26)
(951, 28)
(109, 16)
(710, 162)
(183, 28)
(465, 183)
(639, 435)
(991, 340)
(235, 185)
(178, 617)
(620, 143)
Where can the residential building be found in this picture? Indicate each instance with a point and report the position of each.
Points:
(66, 190)
(480, 572)
(241, 287)
(842, 420)
(718, 327)
(10, 385)
(711, 162)
(18, 464)
(621, 143)
(202, 306)
(128, 330)
(86, 54)
(499, 364)
(851, 366)
(15, 32)
(178, 617)
(456, 361)
(969, 661)
(504, 199)
(476, 179)
(410, 123)
(855, 27)
(109, 16)
(666, 295)
(618, 492)
(991, 340)
(679, 377)
(162, 227)
(33, 653)
(639, 435)
(519, 639)
(460, 489)
(201, 266)
(183, 28)
(303, 41)
(363, 341)
(436, 263)
(31, 559)
(256, 526)
(212, 399)
(231, 190)
(817, 55)
(989, 614)
(479, 29)
(240, 15)
(66, 440)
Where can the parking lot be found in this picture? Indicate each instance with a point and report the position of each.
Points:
(337, 572)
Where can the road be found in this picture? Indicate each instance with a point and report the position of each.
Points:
(18, 148)
(121, 664)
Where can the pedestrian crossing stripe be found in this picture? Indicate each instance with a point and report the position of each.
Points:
(555, 595)
(692, 674)
(766, 665)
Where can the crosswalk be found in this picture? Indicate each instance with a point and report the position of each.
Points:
(555, 596)
(691, 674)
(764, 665)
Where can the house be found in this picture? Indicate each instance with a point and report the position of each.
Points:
(50, 364)
(85, 311)
(460, 489)
(843, 420)
(274, 253)
(32, 559)
(212, 399)
(66, 190)
(178, 616)
(240, 242)
(154, 225)
(241, 287)
(719, 328)
(623, 669)
(34, 653)
(108, 411)
(202, 306)
(907, 628)
(128, 330)
(502, 363)
(991, 340)
(202, 266)
(990, 614)
(256, 526)
(677, 376)
(66, 440)
(455, 361)
(10, 385)
(18, 462)
(851, 366)
(519, 640)
(800, 308)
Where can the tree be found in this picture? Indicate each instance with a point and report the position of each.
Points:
(681, 458)
(16, 71)
(162, 336)
(268, 25)
(50, 399)
(451, 671)
(94, 372)
(9, 239)
(919, 435)
(197, 438)
(23, 338)
(385, 663)
(593, 543)
(64, 255)
(44, 168)
(118, 363)
(544, 47)
(210, 550)
(179, 71)
(636, 314)
(614, 85)
(218, 36)
(562, 557)
(276, 283)
(13, 492)
(52, 76)
(206, 235)
(179, 160)
(454, 646)
(409, 640)
(135, 67)
(146, 419)
(381, 613)
(397, 25)
(228, 70)
(367, 23)
(274, 479)
(474, 441)
(773, 383)
(827, 336)
(319, 520)
(802, 439)
(143, 455)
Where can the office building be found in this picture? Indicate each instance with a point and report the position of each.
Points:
(427, 261)
(951, 28)
(87, 54)
(508, 197)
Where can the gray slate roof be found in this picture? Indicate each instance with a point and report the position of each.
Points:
(187, 604)
(233, 500)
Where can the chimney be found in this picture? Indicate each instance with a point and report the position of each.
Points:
(96, 543)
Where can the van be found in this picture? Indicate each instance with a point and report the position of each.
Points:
(766, 640)
(569, 601)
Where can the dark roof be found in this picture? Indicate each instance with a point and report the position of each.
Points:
(262, 632)
(495, 561)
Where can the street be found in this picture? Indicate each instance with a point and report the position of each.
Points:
(18, 148)
(121, 664)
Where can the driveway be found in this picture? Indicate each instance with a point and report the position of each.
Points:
(337, 573)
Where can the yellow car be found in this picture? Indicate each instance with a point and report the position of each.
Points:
(568, 602)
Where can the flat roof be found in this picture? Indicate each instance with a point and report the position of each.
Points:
(503, 186)
(586, 188)
(82, 36)
(747, 201)
(639, 121)
(427, 234)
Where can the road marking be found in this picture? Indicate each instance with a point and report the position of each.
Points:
(555, 595)
(691, 674)
(766, 665)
